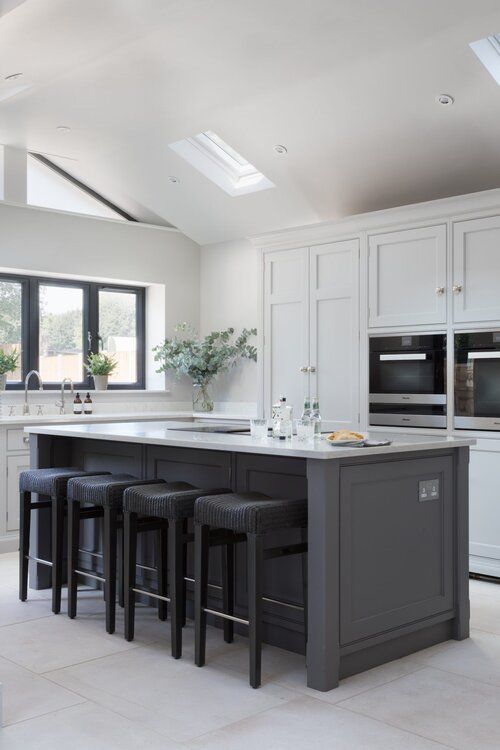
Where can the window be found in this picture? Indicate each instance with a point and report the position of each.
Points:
(218, 161)
(11, 320)
(488, 51)
(55, 323)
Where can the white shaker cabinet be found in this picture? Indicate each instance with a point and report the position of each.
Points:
(334, 332)
(286, 326)
(407, 277)
(476, 270)
(484, 516)
(15, 465)
(311, 330)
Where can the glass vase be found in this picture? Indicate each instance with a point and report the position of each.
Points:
(202, 401)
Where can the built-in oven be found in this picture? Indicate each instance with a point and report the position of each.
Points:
(477, 380)
(408, 380)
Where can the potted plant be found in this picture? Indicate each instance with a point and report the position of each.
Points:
(100, 365)
(202, 359)
(8, 363)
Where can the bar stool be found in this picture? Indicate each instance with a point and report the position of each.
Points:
(50, 484)
(98, 496)
(244, 516)
(164, 508)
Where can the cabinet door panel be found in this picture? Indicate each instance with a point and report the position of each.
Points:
(334, 332)
(406, 270)
(476, 269)
(15, 464)
(484, 514)
(286, 328)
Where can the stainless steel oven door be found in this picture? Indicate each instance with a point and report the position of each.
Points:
(477, 390)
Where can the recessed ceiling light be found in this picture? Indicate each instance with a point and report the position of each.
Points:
(173, 179)
(63, 129)
(12, 77)
(445, 100)
(280, 149)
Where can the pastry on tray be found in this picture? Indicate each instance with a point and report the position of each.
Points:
(344, 435)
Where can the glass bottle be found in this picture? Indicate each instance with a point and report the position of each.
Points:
(306, 411)
(316, 417)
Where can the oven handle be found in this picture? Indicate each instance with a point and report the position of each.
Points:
(410, 356)
(483, 355)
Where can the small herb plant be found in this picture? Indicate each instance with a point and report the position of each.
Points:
(100, 363)
(202, 359)
(8, 362)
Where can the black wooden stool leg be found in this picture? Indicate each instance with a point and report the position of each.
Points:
(255, 558)
(73, 546)
(57, 551)
(24, 543)
(184, 573)
(162, 570)
(201, 550)
(227, 551)
(110, 531)
(176, 571)
(121, 564)
(129, 556)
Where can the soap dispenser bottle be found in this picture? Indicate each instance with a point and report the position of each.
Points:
(87, 404)
(77, 405)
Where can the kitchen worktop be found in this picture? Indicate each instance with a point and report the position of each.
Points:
(168, 433)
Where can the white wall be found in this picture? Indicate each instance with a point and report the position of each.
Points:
(229, 292)
(45, 241)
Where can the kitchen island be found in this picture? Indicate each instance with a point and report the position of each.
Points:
(387, 530)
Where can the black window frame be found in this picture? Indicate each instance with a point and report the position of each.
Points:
(30, 326)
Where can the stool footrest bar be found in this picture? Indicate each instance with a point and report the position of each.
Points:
(225, 616)
(151, 594)
(90, 575)
(39, 560)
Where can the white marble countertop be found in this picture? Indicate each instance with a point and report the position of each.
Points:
(167, 433)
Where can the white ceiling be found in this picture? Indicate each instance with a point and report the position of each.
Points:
(347, 85)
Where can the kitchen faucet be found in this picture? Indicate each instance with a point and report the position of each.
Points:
(60, 403)
(26, 409)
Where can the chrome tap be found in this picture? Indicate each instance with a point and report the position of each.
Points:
(61, 403)
(26, 409)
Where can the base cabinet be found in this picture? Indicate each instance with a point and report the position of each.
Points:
(15, 465)
(484, 517)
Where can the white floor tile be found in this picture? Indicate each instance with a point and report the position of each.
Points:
(485, 613)
(56, 641)
(12, 610)
(307, 723)
(26, 695)
(171, 696)
(448, 708)
(477, 657)
(85, 727)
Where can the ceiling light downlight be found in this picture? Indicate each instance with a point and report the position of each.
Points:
(221, 163)
(63, 129)
(175, 180)
(280, 149)
(445, 100)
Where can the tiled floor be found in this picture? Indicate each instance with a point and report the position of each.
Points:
(68, 684)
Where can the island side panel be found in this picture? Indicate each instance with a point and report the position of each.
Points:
(323, 644)
(461, 627)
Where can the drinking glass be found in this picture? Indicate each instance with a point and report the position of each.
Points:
(305, 429)
(258, 428)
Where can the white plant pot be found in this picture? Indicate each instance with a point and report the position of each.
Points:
(3, 381)
(101, 382)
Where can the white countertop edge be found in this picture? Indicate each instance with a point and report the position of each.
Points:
(145, 416)
(130, 432)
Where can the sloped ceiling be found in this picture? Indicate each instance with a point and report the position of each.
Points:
(349, 88)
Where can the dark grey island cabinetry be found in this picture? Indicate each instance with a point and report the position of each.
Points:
(387, 531)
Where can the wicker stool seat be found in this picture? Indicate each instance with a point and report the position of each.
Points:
(250, 512)
(51, 487)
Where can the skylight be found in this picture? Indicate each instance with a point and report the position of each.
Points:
(488, 51)
(219, 161)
